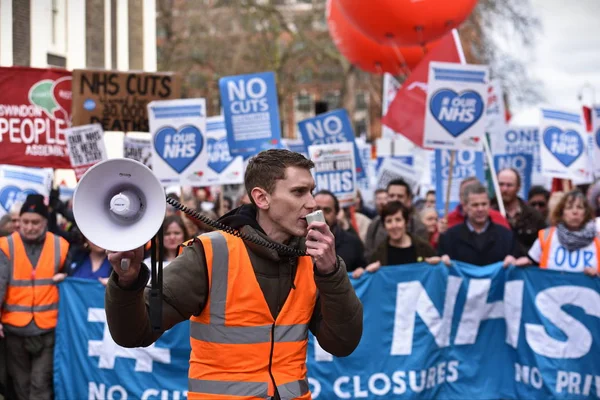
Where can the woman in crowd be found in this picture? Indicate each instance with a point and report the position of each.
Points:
(571, 244)
(429, 218)
(175, 233)
(227, 206)
(90, 262)
(400, 247)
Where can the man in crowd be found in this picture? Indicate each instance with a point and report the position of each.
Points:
(457, 216)
(250, 303)
(430, 199)
(538, 198)
(347, 245)
(381, 199)
(397, 190)
(30, 264)
(524, 220)
(479, 241)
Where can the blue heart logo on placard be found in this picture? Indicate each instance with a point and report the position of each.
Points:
(566, 146)
(179, 148)
(11, 194)
(219, 157)
(456, 112)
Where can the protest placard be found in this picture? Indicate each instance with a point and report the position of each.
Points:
(522, 163)
(86, 147)
(251, 112)
(35, 110)
(564, 148)
(138, 149)
(456, 99)
(118, 100)
(391, 169)
(221, 167)
(328, 128)
(335, 170)
(467, 163)
(495, 118)
(16, 183)
(178, 129)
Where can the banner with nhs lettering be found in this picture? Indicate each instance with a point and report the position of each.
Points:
(178, 129)
(251, 113)
(564, 148)
(329, 128)
(88, 364)
(221, 167)
(456, 103)
(468, 332)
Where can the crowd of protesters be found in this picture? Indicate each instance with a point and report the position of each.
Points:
(545, 230)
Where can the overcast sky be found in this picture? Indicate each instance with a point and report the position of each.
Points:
(567, 54)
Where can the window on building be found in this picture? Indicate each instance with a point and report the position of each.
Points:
(361, 101)
(361, 127)
(333, 99)
(58, 27)
(304, 103)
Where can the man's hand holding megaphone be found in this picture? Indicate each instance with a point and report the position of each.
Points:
(127, 265)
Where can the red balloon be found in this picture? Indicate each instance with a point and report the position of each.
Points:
(366, 53)
(406, 22)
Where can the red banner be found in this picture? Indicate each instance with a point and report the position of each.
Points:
(35, 109)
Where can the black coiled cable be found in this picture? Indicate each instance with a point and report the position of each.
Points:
(280, 248)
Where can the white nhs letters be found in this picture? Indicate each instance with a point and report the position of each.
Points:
(412, 299)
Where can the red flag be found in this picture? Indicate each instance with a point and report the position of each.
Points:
(406, 113)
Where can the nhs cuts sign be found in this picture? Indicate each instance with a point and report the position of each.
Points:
(456, 99)
(330, 128)
(251, 113)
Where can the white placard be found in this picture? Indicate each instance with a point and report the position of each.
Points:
(455, 112)
(221, 167)
(86, 147)
(495, 113)
(16, 183)
(335, 170)
(138, 149)
(391, 169)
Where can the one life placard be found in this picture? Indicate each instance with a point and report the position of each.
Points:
(178, 129)
(335, 170)
(86, 147)
(564, 148)
(455, 112)
(251, 112)
(329, 128)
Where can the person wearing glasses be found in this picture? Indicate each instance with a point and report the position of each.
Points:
(523, 219)
(538, 198)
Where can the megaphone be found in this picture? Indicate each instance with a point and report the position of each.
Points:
(119, 204)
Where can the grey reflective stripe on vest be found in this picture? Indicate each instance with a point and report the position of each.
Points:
(293, 390)
(11, 256)
(248, 334)
(56, 254)
(218, 283)
(16, 308)
(546, 234)
(232, 388)
(29, 282)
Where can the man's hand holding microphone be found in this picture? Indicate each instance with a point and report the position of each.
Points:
(127, 265)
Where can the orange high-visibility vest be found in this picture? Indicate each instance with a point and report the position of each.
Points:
(545, 238)
(31, 293)
(239, 351)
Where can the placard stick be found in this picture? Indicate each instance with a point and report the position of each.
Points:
(488, 154)
(450, 174)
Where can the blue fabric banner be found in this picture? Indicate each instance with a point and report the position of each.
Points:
(429, 332)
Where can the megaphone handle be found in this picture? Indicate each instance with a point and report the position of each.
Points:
(125, 262)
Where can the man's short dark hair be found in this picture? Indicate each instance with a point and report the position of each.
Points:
(475, 188)
(514, 171)
(400, 182)
(392, 208)
(268, 166)
(430, 192)
(336, 203)
(536, 191)
(380, 190)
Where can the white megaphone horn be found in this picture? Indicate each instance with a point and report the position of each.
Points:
(119, 205)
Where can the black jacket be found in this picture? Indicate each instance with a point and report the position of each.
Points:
(349, 247)
(496, 243)
(527, 225)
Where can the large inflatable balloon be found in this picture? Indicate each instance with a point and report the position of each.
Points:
(406, 22)
(366, 53)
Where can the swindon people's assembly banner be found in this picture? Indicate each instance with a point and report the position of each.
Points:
(35, 110)
(462, 332)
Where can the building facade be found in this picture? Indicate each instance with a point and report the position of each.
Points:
(105, 34)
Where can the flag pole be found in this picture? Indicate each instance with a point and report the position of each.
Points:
(448, 189)
(490, 159)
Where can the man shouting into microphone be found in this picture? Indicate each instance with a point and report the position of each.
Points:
(250, 305)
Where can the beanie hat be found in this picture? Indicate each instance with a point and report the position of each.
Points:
(35, 204)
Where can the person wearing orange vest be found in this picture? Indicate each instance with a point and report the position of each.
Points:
(30, 264)
(252, 302)
(572, 243)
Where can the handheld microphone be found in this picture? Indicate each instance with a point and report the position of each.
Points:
(315, 216)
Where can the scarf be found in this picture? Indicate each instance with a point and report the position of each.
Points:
(575, 240)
